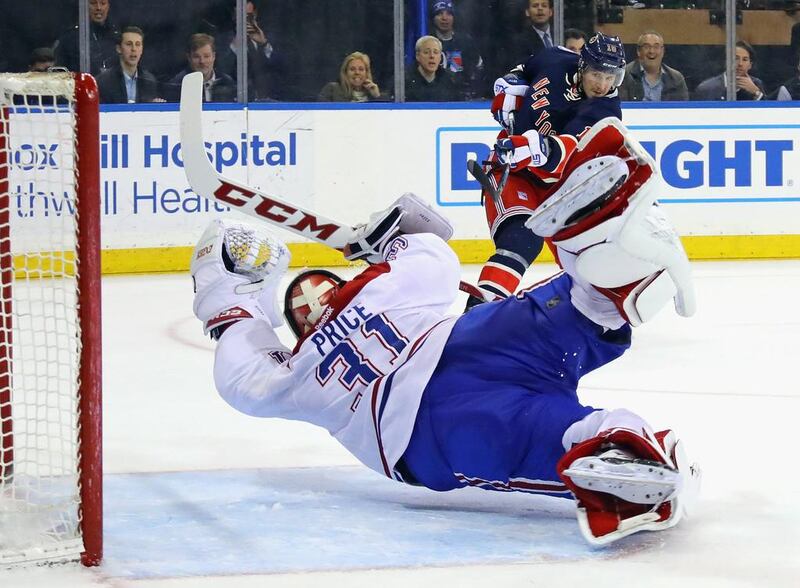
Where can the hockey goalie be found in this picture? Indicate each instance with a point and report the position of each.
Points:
(488, 398)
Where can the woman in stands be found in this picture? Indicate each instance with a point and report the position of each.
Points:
(355, 82)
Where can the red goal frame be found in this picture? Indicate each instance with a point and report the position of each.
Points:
(88, 264)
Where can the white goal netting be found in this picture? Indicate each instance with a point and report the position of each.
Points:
(40, 333)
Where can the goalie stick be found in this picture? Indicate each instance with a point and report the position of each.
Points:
(207, 182)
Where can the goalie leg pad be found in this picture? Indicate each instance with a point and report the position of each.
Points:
(617, 472)
(626, 479)
(585, 190)
(624, 247)
(236, 268)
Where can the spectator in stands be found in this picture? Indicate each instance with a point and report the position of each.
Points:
(747, 87)
(355, 82)
(429, 81)
(127, 82)
(103, 36)
(790, 89)
(536, 34)
(574, 39)
(265, 64)
(461, 56)
(794, 36)
(201, 55)
(647, 78)
(42, 59)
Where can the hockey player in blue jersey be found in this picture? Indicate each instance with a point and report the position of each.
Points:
(487, 398)
(545, 106)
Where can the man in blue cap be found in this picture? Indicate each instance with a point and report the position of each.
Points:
(461, 56)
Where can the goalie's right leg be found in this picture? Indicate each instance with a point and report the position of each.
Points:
(625, 258)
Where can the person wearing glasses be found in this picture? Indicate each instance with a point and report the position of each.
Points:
(648, 78)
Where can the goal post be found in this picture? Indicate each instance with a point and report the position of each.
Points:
(50, 323)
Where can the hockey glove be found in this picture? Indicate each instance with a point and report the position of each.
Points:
(520, 151)
(236, 269)
(509, 93)
(408, 215)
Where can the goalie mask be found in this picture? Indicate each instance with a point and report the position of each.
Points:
(307, 297)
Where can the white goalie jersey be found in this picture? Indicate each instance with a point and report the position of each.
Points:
(361, 373)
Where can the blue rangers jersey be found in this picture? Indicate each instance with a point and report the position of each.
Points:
(556, 104)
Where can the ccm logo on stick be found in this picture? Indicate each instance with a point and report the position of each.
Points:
(276, 212)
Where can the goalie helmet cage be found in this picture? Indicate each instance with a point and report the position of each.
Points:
(50, 362)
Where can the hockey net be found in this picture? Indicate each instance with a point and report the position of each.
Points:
(50, 448)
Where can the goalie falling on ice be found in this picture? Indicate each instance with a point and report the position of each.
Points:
(486, 399)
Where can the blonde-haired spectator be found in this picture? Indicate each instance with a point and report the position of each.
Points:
(355, 82)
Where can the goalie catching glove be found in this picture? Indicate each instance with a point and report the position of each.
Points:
(408, 215)
(236, 269)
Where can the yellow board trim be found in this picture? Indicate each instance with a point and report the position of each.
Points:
(706, 247)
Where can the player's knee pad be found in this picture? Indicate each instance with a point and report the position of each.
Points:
(307, 297)
(626, 478)
(611, 235)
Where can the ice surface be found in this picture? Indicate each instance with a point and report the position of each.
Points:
(200, 496)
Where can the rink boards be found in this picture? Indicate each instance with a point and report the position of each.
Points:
(730, 173)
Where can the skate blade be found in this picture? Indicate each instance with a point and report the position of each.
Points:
(639, 482)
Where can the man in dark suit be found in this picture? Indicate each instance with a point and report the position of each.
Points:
(126, 82)
(267, 66)
(747, 87)
(537, 34)
(102, 35)
(202, 56)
